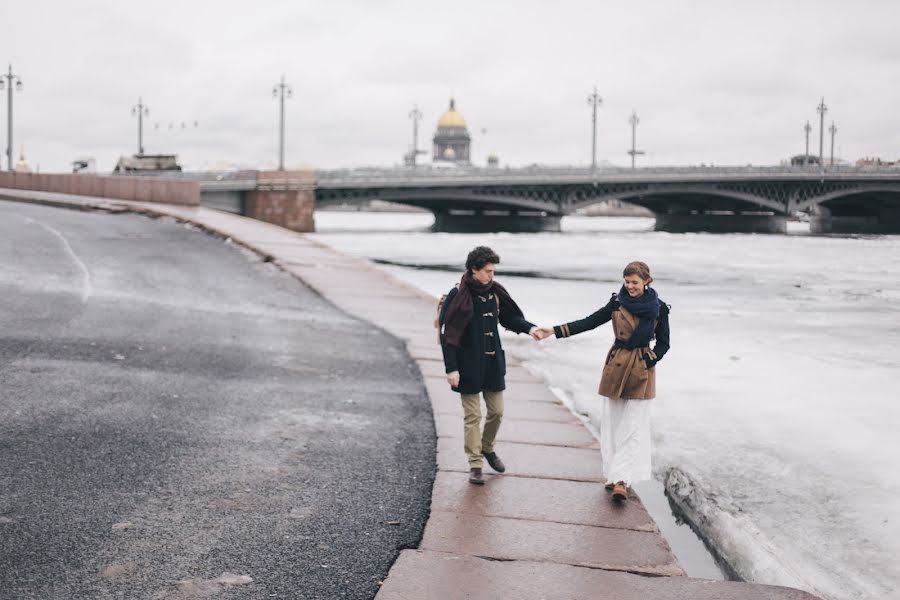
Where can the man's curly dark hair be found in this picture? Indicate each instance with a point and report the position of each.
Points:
(481, 256)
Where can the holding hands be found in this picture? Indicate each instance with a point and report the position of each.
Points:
(540, 333)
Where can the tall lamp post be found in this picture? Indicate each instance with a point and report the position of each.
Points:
(807, 128)
(821, 109)
(279, 91)
(9, 80)
(832, 130)
(416, 115)
(633, 119)
(141, 111)
(594, 100)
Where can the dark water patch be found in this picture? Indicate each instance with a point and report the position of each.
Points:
(529, 274)
(534, 274)
(694, 552)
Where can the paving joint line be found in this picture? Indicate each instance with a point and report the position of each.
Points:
(525, 561)
(544, 477)
(532, 520)
(588, 447)
(650, 572)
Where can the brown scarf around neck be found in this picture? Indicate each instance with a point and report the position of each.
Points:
(461, 310)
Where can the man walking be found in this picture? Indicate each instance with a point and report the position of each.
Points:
(473, 355)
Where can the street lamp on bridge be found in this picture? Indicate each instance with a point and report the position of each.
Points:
(832, 130)
(807, 128)
(821, 109)
(10, 81)
(279, 92)
(634, 123)
(594, 100)
(141, 110)
(416, 115)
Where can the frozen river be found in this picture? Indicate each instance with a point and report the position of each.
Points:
(776, 421)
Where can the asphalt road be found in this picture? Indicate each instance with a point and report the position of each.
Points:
(173, 410)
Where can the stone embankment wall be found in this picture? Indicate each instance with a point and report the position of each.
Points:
(143, 189)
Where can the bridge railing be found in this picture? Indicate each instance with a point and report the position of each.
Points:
(247, 180)
(575, 174)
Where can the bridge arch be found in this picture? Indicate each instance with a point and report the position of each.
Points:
(447, 199)
(859, 190)
(653, 196)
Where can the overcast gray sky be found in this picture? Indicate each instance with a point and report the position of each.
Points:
(721, 82)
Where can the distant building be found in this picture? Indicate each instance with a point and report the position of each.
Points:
(876, 162)
(451, 140)
(147, 163)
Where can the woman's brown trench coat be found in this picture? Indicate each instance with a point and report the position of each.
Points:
(625, 374)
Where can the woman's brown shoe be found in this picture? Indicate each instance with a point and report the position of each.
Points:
(620, 492)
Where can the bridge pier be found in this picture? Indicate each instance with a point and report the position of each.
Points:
(886, 220)
(720, 223)
(494, 221)
(285, 198)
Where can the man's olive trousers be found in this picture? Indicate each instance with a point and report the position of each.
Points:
(478, 442)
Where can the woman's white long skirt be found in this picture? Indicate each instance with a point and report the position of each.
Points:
(625, 441)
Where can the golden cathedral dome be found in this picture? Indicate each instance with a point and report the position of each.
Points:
(452, 118)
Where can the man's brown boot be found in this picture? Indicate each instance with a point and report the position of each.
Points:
(609, 486)
(494, 461)
(620, 492)
(475, 476)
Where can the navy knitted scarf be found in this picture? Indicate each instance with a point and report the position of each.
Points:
(646, 308)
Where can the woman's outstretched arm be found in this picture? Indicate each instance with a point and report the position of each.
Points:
(592, 321)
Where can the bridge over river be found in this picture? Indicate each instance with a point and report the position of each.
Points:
(718, 199)
(749, 199)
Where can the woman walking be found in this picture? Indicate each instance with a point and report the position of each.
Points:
(629, 375)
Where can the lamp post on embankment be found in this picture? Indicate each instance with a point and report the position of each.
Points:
(141, 111)
(279, 91)
(9, 80)
(594, 100)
